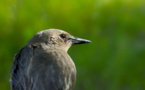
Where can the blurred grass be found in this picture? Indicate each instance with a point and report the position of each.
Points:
(115, 58)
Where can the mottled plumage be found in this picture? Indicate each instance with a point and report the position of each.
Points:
(43, 64)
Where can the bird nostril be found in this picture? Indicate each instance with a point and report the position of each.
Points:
(69, 38)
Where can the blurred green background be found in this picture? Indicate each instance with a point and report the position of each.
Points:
(115, 60)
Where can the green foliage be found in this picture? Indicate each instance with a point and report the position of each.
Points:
(113, 61)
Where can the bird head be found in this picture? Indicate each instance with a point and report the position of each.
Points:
(57, 39)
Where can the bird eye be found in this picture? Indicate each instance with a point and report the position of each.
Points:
(62, 35)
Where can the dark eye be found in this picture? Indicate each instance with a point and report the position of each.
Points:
(62, 35)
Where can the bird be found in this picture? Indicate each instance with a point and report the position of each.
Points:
(44, 64)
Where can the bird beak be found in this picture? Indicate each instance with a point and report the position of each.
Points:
(79, 41)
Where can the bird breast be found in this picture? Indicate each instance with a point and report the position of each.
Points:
(54, 69)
